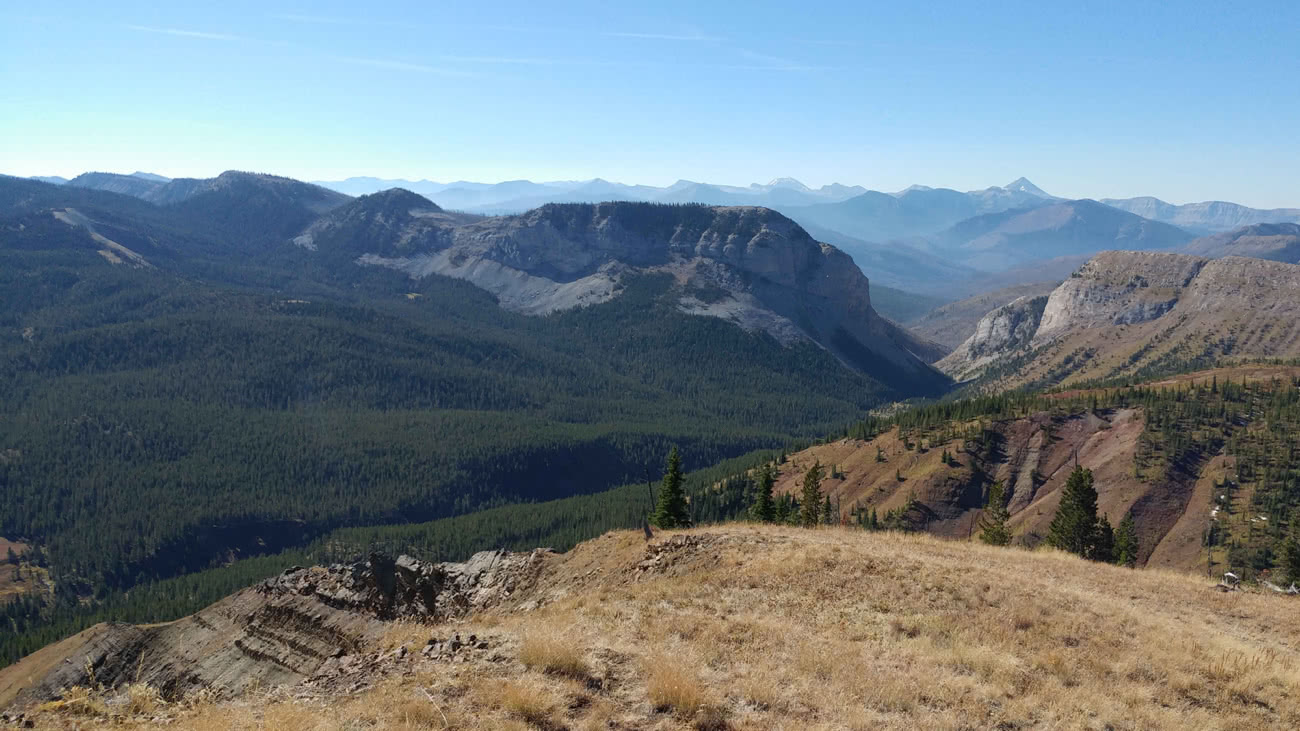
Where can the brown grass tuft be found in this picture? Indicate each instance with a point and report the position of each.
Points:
(551, 652)
(673, 688)
(528, 702)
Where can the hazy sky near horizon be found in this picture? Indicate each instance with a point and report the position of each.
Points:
(1186, 101)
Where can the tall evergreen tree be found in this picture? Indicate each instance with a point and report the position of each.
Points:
(1126, 542)
(1103, 541)
(993, 524)
(1290, 553)
(1074, 528)
(764, 508)
(672, 510)
(828, 512)
(811, 499)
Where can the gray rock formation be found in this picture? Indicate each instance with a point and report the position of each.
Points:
(1007, 329)
(1195, 308)
(1118, 288)
(751, 266)
(282, 630)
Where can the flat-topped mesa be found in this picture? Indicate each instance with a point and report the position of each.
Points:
(1118, 288)
(1238, 283)
(751, 266)
(574, 239)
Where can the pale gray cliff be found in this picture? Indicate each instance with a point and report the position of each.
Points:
(751, 266)
(1121, 304)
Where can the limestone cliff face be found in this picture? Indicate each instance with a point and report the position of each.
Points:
(1123, 309)
(1119, 288)
(1007, 329)
(748, 265)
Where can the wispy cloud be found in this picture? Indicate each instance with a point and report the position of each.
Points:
(384, 63)
(184, 33)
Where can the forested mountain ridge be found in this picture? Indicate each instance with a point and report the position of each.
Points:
(749, 266)
(230, 393)
(1202, 468)
(1209, 448)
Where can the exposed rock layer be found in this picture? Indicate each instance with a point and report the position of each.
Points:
(751, 266)
(282, 630)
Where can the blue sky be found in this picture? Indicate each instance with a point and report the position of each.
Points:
(1186, 101)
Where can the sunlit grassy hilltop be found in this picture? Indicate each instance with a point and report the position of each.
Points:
(750, 627)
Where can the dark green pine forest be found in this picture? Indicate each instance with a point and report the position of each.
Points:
(173, 433)
(239, 397)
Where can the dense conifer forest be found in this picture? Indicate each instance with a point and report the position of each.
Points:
(234, 398)
(170, 434)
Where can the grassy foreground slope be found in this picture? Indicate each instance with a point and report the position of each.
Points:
(748, 627)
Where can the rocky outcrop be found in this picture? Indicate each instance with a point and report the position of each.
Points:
(1009, 328)
(751, 266)
(282, 630)
(1122, 310)
(1118, 288)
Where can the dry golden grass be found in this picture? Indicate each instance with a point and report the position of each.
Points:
(527, 701)
(773, 627)
(672, 687)
(550, 650)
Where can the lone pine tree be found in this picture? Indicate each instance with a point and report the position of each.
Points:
(993, 524)
(811, 500)
(671, 511)
(1075, 527)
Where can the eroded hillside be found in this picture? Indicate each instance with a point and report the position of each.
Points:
(1138, 314)
(747, 627)
(1209, 448)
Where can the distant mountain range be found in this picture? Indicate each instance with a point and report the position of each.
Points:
(1207, 217)
(932, 241)
(517, 196)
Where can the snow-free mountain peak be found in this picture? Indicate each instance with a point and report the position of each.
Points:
(1022, 185)
(789, 184)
